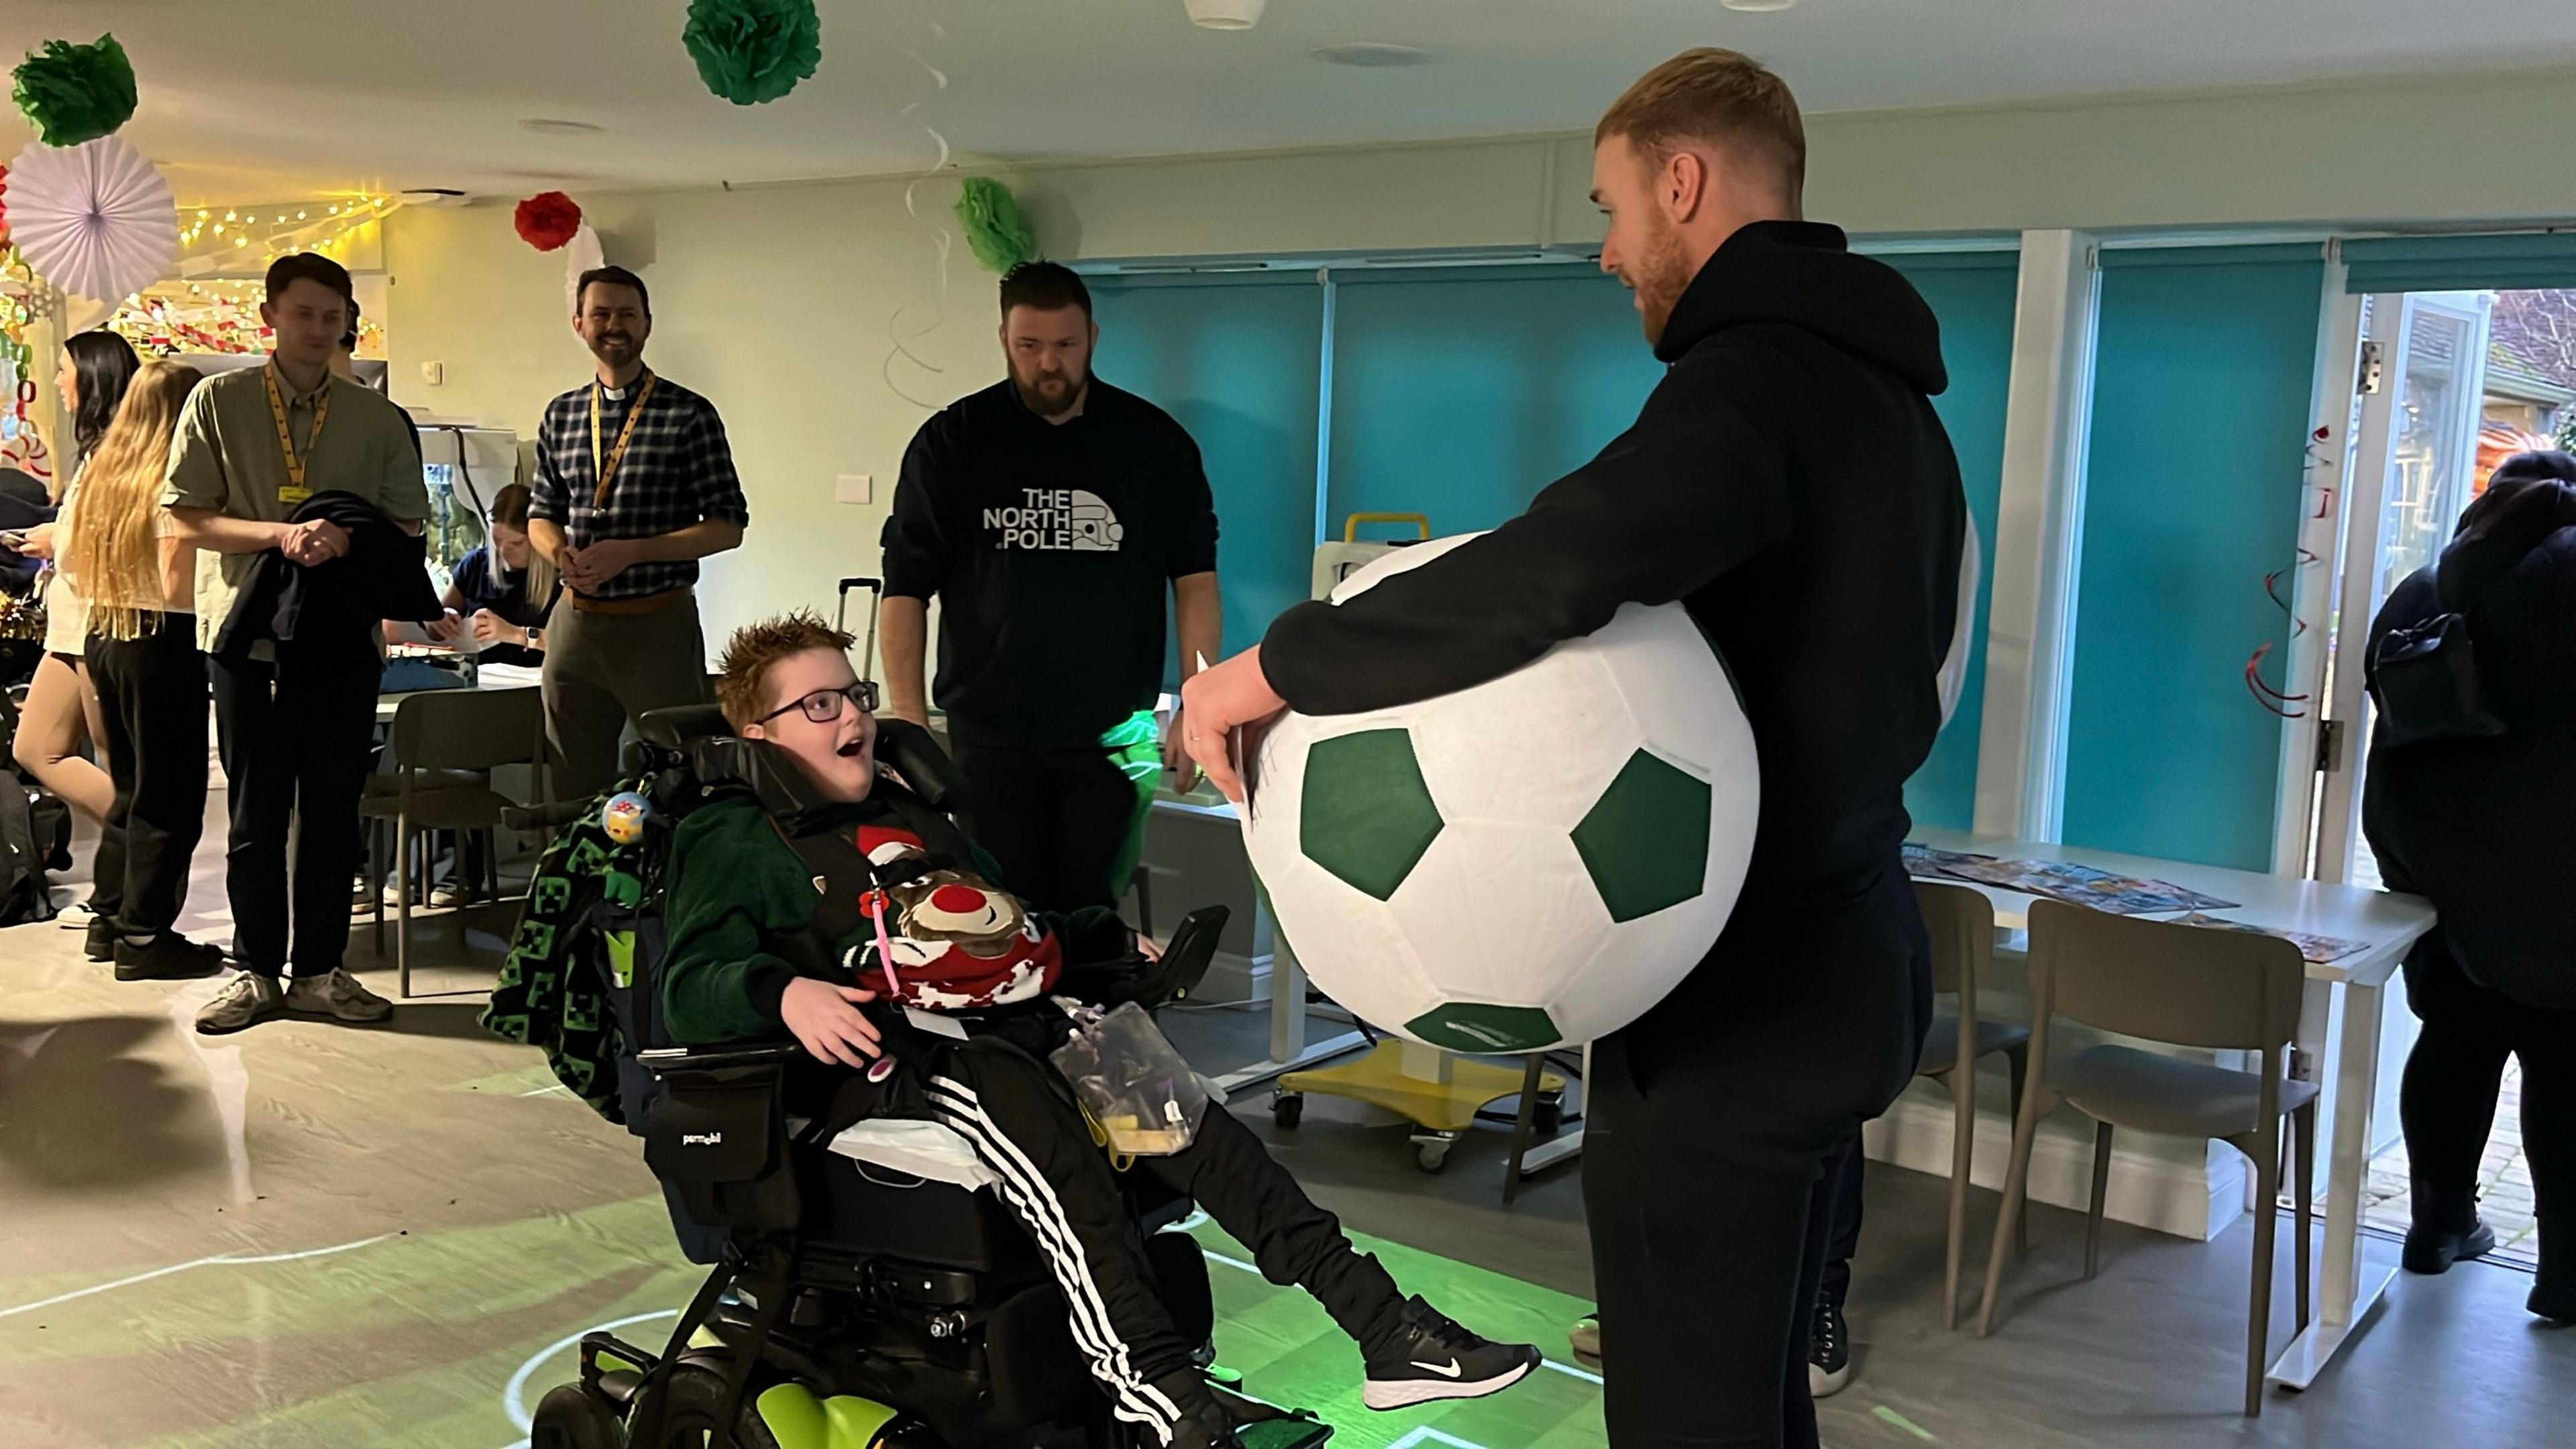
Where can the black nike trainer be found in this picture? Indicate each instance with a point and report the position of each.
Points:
(1434, 1358)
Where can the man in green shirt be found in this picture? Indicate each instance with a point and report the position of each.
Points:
(295, 719)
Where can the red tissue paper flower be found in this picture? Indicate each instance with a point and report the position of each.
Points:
(547, 220)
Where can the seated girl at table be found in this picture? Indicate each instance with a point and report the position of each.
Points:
(503, 591)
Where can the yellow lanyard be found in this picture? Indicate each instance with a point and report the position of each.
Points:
(295, 492)
(607, 469)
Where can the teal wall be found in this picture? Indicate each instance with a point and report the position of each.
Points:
(1973, 294)
(1239, 366)
(2192, 491)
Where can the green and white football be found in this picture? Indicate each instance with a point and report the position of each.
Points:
(1529, 863)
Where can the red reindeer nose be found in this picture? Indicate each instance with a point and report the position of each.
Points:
(957, 900)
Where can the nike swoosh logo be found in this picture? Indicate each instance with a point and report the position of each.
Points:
(1447, 1370)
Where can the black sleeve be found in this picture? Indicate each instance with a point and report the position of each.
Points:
(916, 547)
(1694, 489)
(1192, 529)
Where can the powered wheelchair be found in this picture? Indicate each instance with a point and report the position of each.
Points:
(851, 1304)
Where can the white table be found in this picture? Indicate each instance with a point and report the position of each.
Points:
(1289, 1049)
(490, 677)
(2390, 923)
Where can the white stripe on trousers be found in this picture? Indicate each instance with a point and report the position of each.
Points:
(1138, 1400)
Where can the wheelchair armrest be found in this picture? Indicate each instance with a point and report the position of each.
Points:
(658, 1060)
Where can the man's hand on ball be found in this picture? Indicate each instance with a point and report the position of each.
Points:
(1218, 701)
(827, 1020)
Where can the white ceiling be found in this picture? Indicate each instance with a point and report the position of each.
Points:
(264, 99)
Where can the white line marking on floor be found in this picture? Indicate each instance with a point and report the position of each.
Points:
(541, 1091)
(1428, 1435)
(226, 1259)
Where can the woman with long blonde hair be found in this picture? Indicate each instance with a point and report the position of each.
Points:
(121, 550)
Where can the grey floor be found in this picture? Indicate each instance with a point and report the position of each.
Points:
(2151, 1353)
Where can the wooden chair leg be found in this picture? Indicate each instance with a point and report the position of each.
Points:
(2303, 1158)
(2101, 1193)
(2258, 1330)
(2016, 1186)
(1963, 1155)
(2017, 1066)
(402, 903)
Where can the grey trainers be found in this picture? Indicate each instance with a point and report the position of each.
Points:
(247, 999)
(337, 995)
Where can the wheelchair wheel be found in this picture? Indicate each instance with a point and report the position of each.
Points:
(568, 1418)
(692, 1406)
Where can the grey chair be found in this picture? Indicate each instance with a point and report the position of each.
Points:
(1962, 926)
(445, 744)
(2188, 986)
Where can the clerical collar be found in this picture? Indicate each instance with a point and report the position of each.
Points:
(613, 394)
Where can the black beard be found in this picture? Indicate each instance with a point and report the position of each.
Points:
(1038, 403)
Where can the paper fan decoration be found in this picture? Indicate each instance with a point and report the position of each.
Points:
(753, 51)
(95, 219)
(547, 220)
(581, 254)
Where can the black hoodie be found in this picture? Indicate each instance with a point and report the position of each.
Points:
(2486, 828)
(1790, 486)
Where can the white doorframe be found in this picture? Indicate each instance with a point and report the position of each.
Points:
(2323, 503)
(2362, 577)
(2039, 531)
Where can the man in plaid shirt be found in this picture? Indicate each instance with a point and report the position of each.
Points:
(635, 484)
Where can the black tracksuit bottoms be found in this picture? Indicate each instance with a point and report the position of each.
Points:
(296, 735)
(1055, 821)
(998, 1091)
(152, 701)
(1712, 1123)
(2448, 1101)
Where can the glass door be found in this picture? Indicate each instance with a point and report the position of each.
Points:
(2422, 389)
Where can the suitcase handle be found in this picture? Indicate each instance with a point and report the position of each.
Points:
(841, 617)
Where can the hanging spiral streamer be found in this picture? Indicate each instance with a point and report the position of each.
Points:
(898, 340)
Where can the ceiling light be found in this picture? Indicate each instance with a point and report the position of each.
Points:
(1373, 55)
(551, 126)
(1224, 14)
(1757, 6)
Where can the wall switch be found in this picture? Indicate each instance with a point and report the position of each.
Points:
(433, 373)
(850, 488)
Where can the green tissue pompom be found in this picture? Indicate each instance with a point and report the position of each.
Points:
(75, 93)
(753, 51)
(995, 231)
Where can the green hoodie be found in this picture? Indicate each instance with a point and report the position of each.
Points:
(738, 890)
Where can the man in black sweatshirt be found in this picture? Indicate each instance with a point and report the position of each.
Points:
(1790, 486)
(1048, 513)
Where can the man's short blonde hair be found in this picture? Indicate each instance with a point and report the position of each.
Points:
(1718, 98)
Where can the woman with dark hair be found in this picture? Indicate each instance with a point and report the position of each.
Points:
(2470, 801)
(62, 705)
(97, 366)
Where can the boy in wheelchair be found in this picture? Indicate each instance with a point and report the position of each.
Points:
(791, 923)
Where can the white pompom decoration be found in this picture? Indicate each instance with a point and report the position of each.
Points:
(95, 220)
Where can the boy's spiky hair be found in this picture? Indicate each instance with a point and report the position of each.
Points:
(742, 687)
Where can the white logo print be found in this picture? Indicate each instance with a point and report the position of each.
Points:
(1447, 1370)
(1056, 520)
(701, 1139)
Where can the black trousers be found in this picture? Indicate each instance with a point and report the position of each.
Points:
(296, 735)
(1713, 1122)
(1842, 1234)
(1054, 820)
(998, 1091)
(152, 701)
(2447, 1101)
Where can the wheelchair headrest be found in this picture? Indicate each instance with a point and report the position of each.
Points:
(724, 758)
(677, 728)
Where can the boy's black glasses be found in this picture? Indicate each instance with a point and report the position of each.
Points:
(824, 705)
